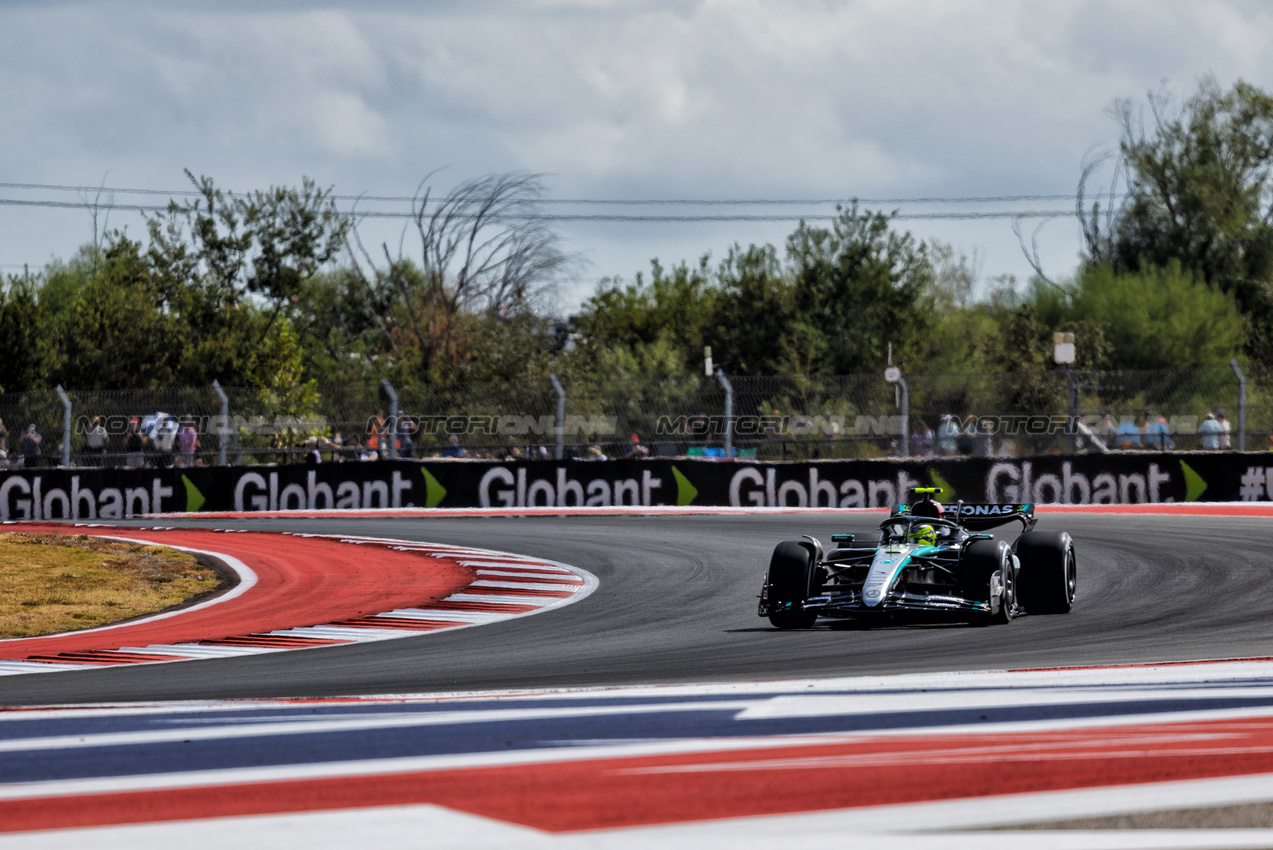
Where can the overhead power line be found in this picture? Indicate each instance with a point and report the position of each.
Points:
(599, 217)
(406, 199)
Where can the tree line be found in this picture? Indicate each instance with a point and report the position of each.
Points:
(277, 288)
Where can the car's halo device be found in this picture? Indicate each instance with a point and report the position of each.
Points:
(926, 563)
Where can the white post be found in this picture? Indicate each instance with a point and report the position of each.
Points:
(729, 412)
(224, 424)
(1237, 370)
(893, 375)
(66, 425)
(393, 420)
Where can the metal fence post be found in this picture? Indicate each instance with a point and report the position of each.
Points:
(893, 374)
(906, 417)
(561, 416)
(393, 420)
(66, 425)
(1072, 406)
(224, 424)
(729, 412)
(1237, 370)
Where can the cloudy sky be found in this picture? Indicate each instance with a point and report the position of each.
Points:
(714, 100)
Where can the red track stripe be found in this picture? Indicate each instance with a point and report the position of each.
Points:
(479, 607)
(617, 792)
(514, 591)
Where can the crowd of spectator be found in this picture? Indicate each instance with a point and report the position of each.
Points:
(163, 441)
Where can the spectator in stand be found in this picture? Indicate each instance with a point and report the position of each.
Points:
(336, 444)
(165, 440)
(134, 445)
(635, 449)
(985, 438)
(453, 447)
(1226, 429)
(1128, 434)
(947, 434)
(312, 455)
(187, 442)
(406, 448)
(1156, 433)
(31, 447)
(1210, 429)
(510, 451)
(4, 445)
(921, 439)
(94, 442)
(1108, 431)
(375, 432)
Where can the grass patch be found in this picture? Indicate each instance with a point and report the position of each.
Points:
(53, 583)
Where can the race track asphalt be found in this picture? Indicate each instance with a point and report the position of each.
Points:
(677, 603)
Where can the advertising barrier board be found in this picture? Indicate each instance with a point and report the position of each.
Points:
(1132, 478)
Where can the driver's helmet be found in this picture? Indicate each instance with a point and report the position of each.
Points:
(924, 535)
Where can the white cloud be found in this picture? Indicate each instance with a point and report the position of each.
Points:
(884, 98)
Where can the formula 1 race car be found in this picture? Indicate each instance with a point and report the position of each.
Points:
(925, 562)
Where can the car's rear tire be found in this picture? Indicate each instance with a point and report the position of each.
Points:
(981, 560)
(790, 579)
(1049, 572)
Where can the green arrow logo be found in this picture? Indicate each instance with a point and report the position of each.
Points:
(1194, 485)
(434, 492)
(194, 499)
(947, 492)
(685, 491)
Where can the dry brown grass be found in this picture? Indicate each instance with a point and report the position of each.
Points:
(53, 583)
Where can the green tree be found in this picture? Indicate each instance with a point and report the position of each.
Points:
(253, 254)
(753, 312)
(862, 286)
(1199, 192)
(673, 311)
(117, 334)
(26, 351)
(1158, 318)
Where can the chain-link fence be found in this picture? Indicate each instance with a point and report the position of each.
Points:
(840, 416)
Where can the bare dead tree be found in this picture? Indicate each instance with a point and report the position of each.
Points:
(484, 248)
(99, 211)
(1032, 252)
(1099, 225)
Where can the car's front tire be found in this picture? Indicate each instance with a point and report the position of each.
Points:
(981, 560)
(790, 577)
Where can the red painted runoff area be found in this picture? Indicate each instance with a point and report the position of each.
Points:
(300, 581)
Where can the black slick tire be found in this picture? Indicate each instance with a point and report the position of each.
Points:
(790, 577)
(1049, 572)
(981, 560)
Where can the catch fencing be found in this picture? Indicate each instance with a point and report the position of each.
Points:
(776, 418)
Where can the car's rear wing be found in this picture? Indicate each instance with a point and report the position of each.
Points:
(980, 517)
(983, 516)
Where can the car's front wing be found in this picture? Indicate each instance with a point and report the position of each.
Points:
(849, 604)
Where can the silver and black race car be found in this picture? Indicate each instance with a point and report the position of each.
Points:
(925, 562)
